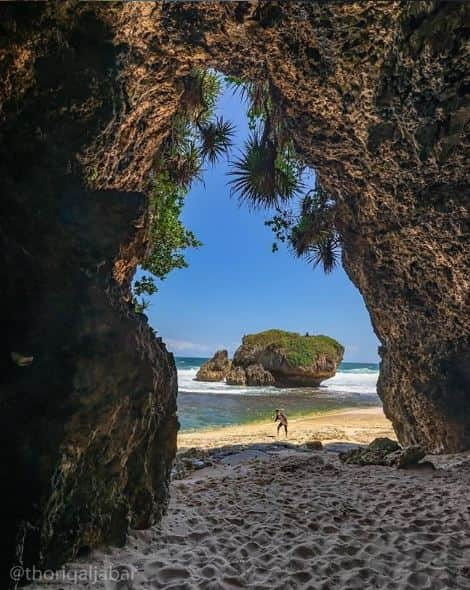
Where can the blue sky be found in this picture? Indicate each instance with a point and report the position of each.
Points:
(235, 285)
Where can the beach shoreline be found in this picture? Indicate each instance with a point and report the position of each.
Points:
(358, 425)
(293, 516)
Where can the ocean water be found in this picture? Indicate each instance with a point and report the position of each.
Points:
(205, 405)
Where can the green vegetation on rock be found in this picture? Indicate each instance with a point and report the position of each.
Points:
(195, 136)
(270, 174)
(299, 350)
(267, 174)
(269, 171)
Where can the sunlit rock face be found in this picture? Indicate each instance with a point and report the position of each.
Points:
(375, 95)
(216, 368)
(287, 359)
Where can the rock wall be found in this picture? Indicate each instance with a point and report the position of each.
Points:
(88, 428)
(376, 98)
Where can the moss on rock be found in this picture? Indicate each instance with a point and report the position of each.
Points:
(299, 350)
(292, 359)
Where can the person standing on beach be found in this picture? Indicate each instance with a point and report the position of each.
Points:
(282, 419)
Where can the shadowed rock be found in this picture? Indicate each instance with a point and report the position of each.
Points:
(384, 451)
(384, 444)
(314, 445)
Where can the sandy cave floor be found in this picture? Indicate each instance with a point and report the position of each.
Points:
(292, 520)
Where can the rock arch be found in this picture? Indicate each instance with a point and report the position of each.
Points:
(376, 98)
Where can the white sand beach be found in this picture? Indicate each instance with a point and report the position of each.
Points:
(356, 425)
(284, 519)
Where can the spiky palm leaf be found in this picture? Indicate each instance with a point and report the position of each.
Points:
(201, 91)
(216, 139)
(262, 176)
(316, 241)
(186, 166)
(303, 233)
(315, 237)
(325, 252)
(255, 94)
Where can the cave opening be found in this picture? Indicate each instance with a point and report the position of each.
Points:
(246, 277)
(88, 425)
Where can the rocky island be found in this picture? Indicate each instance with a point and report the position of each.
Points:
(276, 357)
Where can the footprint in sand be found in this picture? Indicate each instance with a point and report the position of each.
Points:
(170, 574)
(305, 551)
(209, 571)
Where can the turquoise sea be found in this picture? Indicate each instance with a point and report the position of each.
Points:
(206, 405)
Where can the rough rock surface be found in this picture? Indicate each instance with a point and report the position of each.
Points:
(216, 368)
(253, 375)
(314, 445)
(88, 428)
(236, 376)
(375, 95)
(257, 375)
(384, 444)
(383, 451)
(287, 359)
(407, 457)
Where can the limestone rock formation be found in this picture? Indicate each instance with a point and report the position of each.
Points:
(236, 376)
(375, 97)
(216, 368)
(253, 375)
(88, 425)
(257, 375)
(291, 359)
(88, 429)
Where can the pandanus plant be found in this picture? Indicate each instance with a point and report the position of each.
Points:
(314, 236)
(196, 135)
(201, 90)
(267, 173)
(216, 139)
